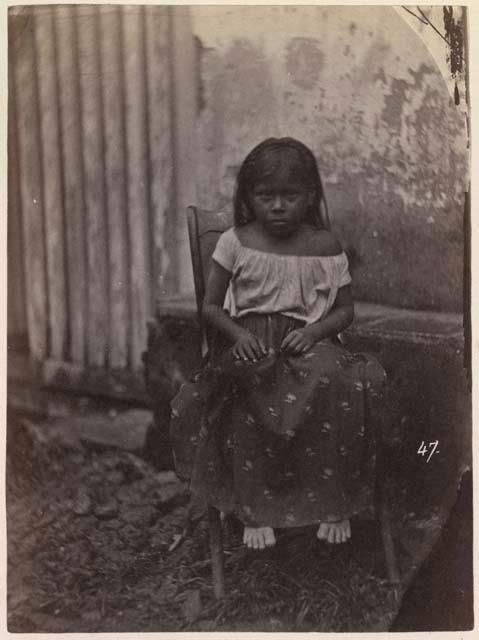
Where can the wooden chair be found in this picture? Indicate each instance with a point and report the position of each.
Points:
(204, 228)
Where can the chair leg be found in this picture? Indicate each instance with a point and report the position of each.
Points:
(216, 548)
(388, 545)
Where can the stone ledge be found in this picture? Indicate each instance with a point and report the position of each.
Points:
(371, 320)
(57, 388)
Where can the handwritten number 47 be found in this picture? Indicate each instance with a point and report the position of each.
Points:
(424, 449)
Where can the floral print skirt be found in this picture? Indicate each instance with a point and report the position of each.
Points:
(287, 441)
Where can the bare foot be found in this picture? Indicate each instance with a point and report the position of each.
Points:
(334, 532)
(258, 537)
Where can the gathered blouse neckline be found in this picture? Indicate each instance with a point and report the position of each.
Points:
(281, 255)
(302, 287)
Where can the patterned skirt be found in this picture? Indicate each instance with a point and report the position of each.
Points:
(287, 441)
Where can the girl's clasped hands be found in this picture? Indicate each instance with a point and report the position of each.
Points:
(250, 347)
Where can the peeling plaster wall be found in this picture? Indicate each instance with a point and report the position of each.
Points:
(359, 86)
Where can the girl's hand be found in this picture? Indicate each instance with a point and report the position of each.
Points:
(297, 342)
(249, 347)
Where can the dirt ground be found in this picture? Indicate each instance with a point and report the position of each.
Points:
(90, 531)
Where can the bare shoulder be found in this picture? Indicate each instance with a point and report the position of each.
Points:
(248, 236)
(241, 232)
(323, 243)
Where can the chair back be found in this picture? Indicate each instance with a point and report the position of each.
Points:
(204, 229)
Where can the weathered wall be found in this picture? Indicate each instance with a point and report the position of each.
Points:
(360, 87)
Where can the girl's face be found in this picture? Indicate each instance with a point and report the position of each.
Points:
(280, 202)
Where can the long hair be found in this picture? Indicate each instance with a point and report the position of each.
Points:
(259, 161)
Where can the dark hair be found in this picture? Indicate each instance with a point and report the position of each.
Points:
(255, 166)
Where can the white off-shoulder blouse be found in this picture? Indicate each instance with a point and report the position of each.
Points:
(302, 287)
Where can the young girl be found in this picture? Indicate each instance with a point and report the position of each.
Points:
(278, 426)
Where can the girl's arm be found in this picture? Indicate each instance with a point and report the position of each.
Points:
(246, 345)
(340, 317)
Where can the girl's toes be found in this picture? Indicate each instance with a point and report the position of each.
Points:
(261, 539)
(336, 534)
(248, 537)
(331, 534)
(343, 531)
(252, 542)
(323, 531)
(348, 529)
(258, 538)
(269, 538)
